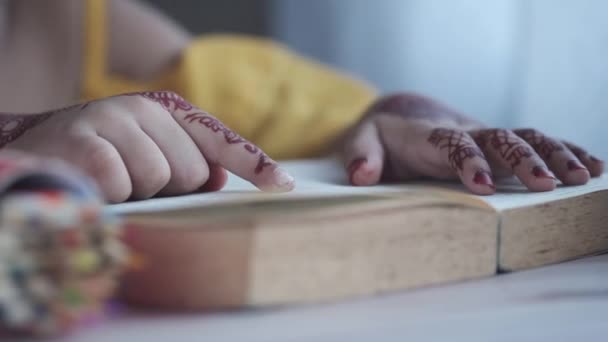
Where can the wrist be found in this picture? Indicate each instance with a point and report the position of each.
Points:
(13, 126)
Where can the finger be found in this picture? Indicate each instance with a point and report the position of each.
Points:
(560, 159)
(99, 159)
(217, 179)
(595, 165)
(147, 166)
(364, 155)
(222, 146)
(506, 149)
(459, 152)
(189, 170)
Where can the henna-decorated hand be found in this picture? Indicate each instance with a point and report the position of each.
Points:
(144, 144)
(407, 136)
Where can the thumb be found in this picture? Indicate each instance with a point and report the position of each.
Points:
(363, 155)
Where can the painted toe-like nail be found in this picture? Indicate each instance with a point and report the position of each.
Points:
(541, 172)
(354, 166)
(283, 181)
(483, 178)
(575, 165)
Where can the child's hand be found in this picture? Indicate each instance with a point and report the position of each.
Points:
(140, 145)
(406, 136)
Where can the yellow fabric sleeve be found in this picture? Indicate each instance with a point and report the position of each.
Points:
(290, 106)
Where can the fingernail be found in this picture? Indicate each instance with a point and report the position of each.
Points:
(541, 172)
(484, 178)
(284, 181)
(575, 165)
(354, 167)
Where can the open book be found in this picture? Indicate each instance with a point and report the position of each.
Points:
(327, 240)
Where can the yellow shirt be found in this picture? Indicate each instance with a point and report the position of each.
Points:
(290, 106)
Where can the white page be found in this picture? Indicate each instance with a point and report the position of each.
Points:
(516, 195)
(326, 178)
(314, 179)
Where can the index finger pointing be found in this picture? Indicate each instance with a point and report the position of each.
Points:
(224, 147)
(220, 145)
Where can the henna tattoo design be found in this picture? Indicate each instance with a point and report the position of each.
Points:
(230, 136)
(546, 147)
(168, 99)
(216, 126)
(506, 143)
(581, 153)
(459, 147)
(13, 126)
(263, 162)
(171, 101)
(543, 145)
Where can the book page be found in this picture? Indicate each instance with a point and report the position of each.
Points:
(322, 178)
(325, 178)
(512, 194)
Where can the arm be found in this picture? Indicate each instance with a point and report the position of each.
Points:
(220, 72)
(143, 42)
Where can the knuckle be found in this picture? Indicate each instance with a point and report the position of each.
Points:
(448, 138)
(400, 102)
(172, 94)
(101, 158)
(105, 111)
(99, 106)
(136, 103)
(533, 131)
(460, 149)
(167, 100)
(157, 176)
(502, 132)
(529, 133)
(503, 137)
(103, 163)
(544, 146)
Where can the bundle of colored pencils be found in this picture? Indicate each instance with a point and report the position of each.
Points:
(60, 254)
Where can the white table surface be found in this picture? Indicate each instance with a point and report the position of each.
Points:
(567, 302)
